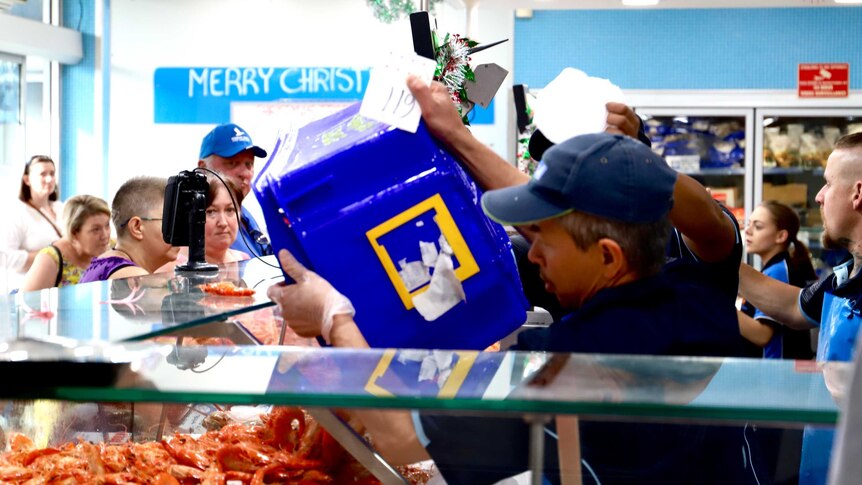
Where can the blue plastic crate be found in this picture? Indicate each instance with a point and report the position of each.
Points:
(352, 199)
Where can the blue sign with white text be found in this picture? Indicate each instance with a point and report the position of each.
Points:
(204, 94)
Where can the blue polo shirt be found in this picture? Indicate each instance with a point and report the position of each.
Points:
(250, 239)
(833, 304)
(671, 313)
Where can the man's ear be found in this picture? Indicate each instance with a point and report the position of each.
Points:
(202, 164)
(134, 228)
(857, 195)
(614, 261)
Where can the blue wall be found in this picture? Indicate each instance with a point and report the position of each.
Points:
(688, 49)
(77, 95)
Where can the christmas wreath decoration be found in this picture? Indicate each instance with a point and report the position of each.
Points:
(453, 67)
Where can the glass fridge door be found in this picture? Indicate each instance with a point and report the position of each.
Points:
(792, 146)
(712, 145)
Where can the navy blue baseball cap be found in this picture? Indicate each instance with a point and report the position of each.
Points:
(227, 140)
(610, 176)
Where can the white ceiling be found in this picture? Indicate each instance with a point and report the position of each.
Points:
(614, 4)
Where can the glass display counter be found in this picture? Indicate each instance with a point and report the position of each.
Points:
(145, 307)
(59, 390)
(50, 408)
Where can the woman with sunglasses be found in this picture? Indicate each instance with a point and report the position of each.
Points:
(34, 222)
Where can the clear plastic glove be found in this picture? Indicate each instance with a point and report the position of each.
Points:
(309, 305)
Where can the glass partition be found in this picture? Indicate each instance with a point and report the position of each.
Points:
(149, 306)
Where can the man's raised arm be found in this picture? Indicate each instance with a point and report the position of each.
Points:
(777, 299)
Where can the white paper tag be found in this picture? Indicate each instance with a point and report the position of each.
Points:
(387, 98)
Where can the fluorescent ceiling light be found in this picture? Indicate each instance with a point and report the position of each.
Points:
(641, 3)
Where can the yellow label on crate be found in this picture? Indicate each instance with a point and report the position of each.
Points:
(467, 264)
(449, 389)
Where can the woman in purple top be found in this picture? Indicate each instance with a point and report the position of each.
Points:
(136, 212)
(102, 268)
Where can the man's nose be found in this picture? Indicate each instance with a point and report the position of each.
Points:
(248, 172)
(533, 253)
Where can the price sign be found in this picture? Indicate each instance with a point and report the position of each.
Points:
(387, 98)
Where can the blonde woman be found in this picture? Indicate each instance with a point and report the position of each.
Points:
(88, 233)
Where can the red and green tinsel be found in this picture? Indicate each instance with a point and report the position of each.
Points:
(453, 67)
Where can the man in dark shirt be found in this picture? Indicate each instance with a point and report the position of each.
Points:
(598, 212)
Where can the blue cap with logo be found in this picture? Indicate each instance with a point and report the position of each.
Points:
(227, 140)
(610, 176)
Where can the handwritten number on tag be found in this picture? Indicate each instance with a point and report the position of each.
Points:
(388, 99)
(403, 105)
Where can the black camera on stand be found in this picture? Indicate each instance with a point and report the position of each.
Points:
(184, 217)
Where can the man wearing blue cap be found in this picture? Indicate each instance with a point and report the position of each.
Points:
(598, 212)
(228, 149)
(703, 233)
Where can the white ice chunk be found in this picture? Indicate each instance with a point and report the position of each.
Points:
(414, 274)
(573, 104)
(444, 245)
(428, 369)
(443, 358)
(412, 355)
(444, 292)
(429, 253)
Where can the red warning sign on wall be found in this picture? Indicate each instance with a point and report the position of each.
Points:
(824, 80)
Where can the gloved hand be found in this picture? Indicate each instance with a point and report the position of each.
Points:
(309, 305)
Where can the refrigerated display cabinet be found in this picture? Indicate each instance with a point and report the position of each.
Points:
(59, 390)
(793, 145)
(140, 393)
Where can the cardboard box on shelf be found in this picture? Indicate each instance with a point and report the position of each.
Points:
(728, 196)
(795, 195)
(739, 213)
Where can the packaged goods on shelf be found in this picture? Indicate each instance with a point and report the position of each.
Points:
(691, 144)
(798, 142)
